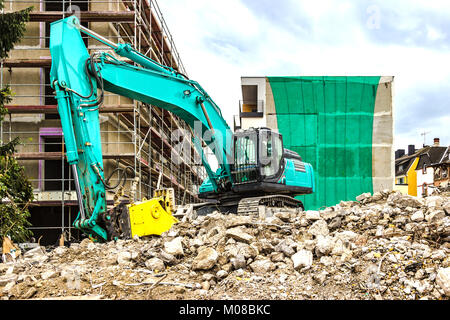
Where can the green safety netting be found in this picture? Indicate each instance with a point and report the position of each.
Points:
(329, 122)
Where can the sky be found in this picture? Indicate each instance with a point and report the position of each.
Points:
(220, 41)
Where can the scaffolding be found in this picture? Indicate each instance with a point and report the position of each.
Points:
(133, 133)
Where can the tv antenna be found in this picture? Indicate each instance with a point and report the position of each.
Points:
(424, 136)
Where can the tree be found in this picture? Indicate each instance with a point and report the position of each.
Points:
(16, 191)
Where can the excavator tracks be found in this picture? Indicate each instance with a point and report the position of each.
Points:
(250, 206)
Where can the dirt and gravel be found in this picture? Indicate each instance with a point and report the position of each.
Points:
(381, 246)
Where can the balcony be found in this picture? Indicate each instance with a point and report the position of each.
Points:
(251, 108)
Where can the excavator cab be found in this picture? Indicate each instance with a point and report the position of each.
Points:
(261, 166)
(263, 172)
(257, 156)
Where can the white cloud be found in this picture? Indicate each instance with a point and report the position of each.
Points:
(434, 34)
(221, 41)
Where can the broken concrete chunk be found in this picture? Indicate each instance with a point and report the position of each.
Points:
(418, 216)
(221, 274)
(174, 247)
(324, 245)
(321, 276)
(38, 251)
(48, 274)
(377, 196)
(277, 256)
(433, 201)
(326, 261)
(273, 220)
(400, 200)
(91, 246)
(8, 278)
(302, 259)
(363, 197)
(239, 234)
(346, 235)
(124, 257)
(328, 214)
(443, 280)
(60, 250)
(238, 262)
(8, 287)
(236, 220)
(84, 243)
(154, 264)
(435, 216)
(205, 260)
(283, 215)
(286, 247)
(312, 215)
(319, 227)
(335, 223)
(262, 266)
(167, 257)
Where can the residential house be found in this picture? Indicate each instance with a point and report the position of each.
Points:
(415, 171)
(442, 170)
(425, 169)
(405, 174)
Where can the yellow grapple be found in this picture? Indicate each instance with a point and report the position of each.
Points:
(153, 216)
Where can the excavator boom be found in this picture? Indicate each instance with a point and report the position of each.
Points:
(80, 80)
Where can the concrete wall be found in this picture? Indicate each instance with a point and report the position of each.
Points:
(383, 160)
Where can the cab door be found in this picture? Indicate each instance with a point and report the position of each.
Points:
(270, 155)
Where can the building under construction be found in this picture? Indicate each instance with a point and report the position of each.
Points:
(133, 134)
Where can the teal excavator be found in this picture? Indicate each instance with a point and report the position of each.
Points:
(253, 167)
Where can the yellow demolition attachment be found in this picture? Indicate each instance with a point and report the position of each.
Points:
(154, 216)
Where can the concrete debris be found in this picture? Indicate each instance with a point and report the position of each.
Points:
(239, 235)
(417, 216)
(385, 246)
(238, 262)
(7, 278)
(443, 280)
(312, 215)
(205, 260)
(319, 228)
(124, 258)
(155, 264)
(302, 259)
(262, 266)
(174, 247)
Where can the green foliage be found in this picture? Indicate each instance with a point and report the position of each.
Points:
(5, 97)
(16, 191)
(12, 28)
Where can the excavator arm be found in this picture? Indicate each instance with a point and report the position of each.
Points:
(80, 79)
(254, 169)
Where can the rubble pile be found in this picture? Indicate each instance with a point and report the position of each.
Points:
(382, 246)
